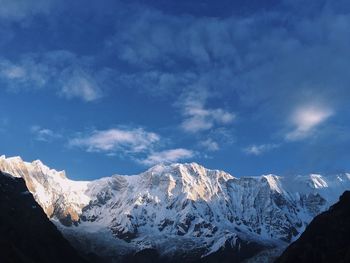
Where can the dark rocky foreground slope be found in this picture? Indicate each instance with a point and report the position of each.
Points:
(26, 234)
(326, 239)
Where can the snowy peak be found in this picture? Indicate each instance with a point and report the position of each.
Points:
(274, 182)
(19, 167)
(193, 180)
(59, 197)
(185, 171)
(317, 181)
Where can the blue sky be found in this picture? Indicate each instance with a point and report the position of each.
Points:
(104, 87)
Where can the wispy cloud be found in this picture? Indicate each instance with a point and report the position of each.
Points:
(210, 145)
(13, 71)
(198, 117)
(139, 145)
(305, 121)
(61, 71)
(44, 134)
(168, 156)
(78, 84)
(3, 124)
(26, 74)
(16, 10)
(237, 56)
(260, 149)
(117, 141)
(155, 37)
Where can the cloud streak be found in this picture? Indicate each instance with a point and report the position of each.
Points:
(117, 141)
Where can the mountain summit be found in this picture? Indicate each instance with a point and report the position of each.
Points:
(179, 211)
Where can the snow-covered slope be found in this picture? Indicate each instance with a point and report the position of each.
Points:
(178, 208)
(58, 196)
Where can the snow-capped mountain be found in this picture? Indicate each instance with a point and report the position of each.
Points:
(179, 209)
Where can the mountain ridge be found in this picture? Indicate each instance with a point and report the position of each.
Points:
(178, 209)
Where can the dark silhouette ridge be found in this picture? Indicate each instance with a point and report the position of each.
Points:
(326, 239)
(26, 234)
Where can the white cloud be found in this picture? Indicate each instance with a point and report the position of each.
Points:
(199, 118)
(80, 85)
(168, 156)
(260, 149)
(305, 120)
(210, 145)
(44, 135)
(115, 140)
(138, 144)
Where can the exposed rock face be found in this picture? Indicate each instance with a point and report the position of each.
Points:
(26, 234)
(179, 210)
(326, 239)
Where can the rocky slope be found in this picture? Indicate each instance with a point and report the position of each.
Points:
(179, 211)
(326, 239)
(26, 234)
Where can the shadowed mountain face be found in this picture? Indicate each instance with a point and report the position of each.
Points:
(326, 239)
(26, 234)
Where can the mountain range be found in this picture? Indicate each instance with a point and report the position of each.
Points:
(179, 212)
